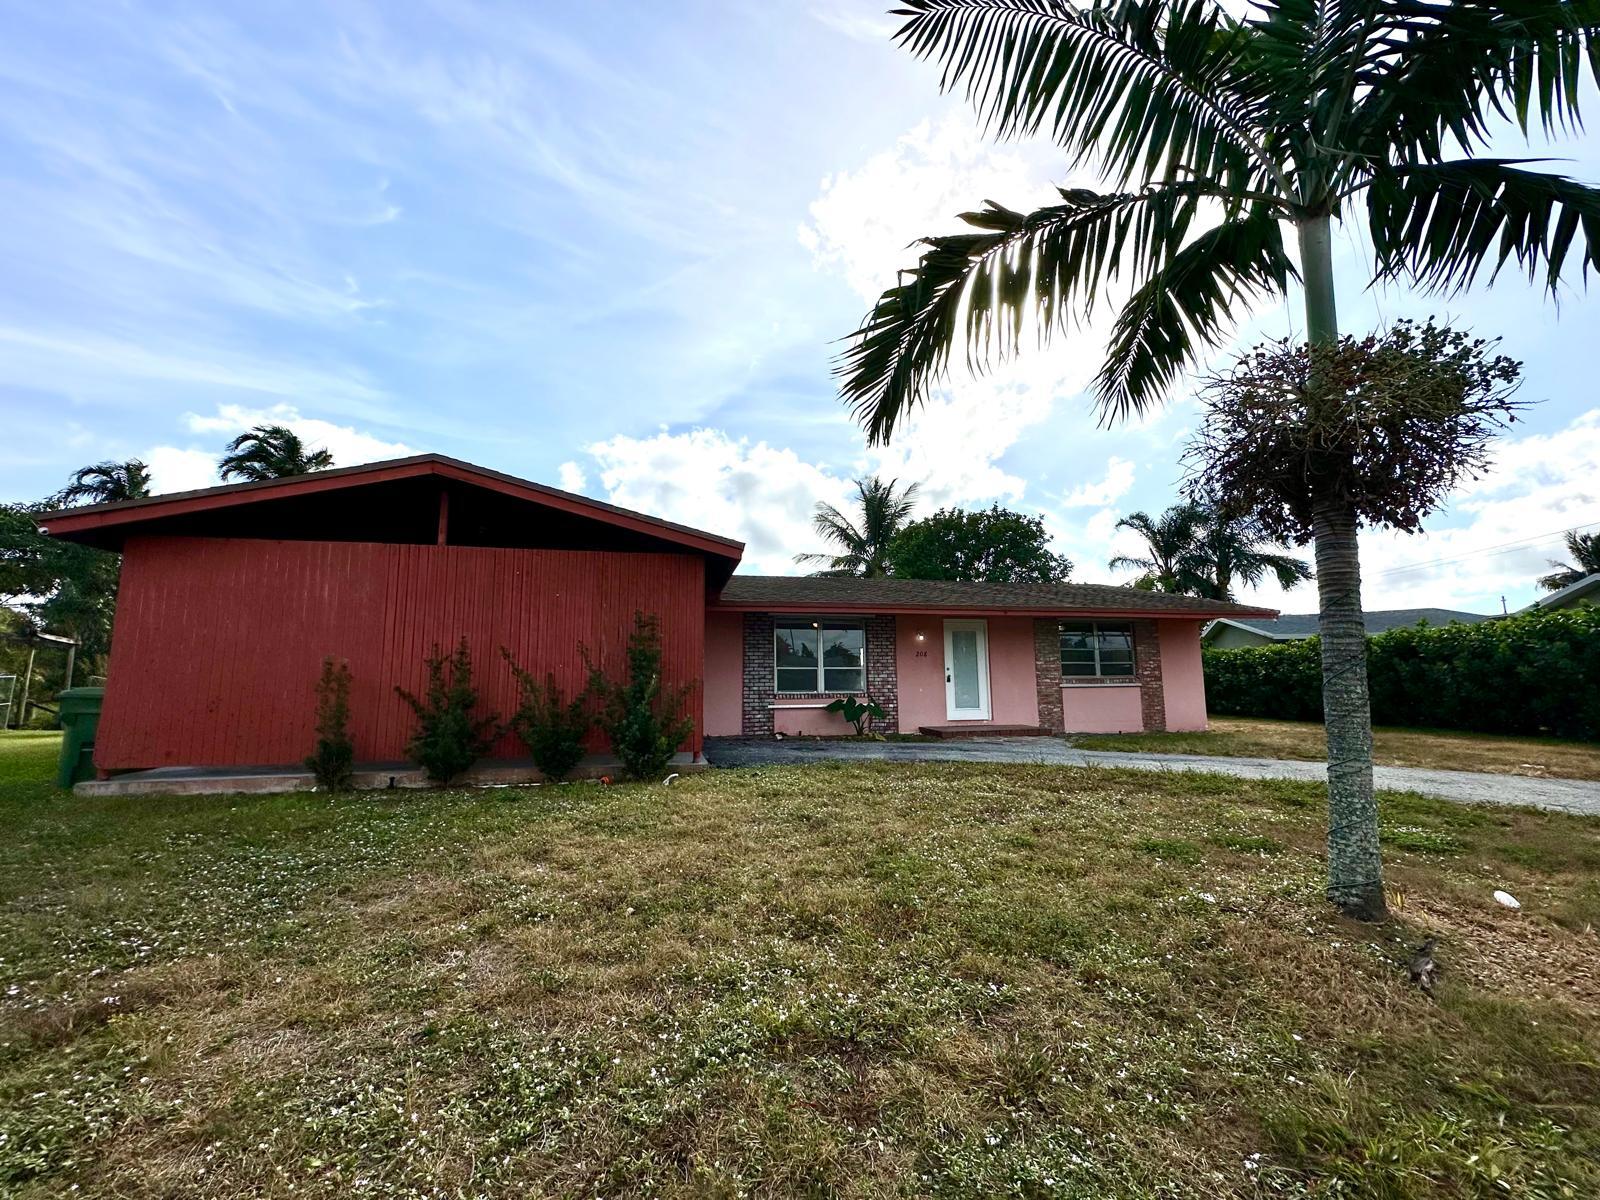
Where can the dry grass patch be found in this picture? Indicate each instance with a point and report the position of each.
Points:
(1252, 737)
(835, 980)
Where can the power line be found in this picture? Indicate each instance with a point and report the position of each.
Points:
(1500, 548)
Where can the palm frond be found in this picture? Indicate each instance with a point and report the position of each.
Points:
(1434, 73)
(1439, 223)
(1190, 302)
(980, 288)
(1127, 562)
(1140, 88)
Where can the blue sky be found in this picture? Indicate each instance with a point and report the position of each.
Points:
(608, 246)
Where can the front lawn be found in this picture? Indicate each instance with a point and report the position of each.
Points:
(873, 979)
(1253, 737)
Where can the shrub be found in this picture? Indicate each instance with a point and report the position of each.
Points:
(857, 712)
(333, 761)
(1530, 673)
(645, 724)
(552, 728)
(448, 738)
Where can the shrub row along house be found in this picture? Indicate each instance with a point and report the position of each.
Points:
(231, 598)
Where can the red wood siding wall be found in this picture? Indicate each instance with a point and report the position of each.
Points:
(218, 642)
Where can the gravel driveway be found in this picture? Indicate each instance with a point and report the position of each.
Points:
(1467, 787)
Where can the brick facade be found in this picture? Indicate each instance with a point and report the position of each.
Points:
(883, 681)
(755, 720)
(1147, 670)
(759, 687)
(1047, 672)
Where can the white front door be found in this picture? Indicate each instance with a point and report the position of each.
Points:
(966, 670)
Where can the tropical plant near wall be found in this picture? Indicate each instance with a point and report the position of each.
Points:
(1216, 135)
(332, 763)
(271, 452)
(1585, 551)
(861, 546)
(548, 722)
(450, 735)
(644, 720)
(858, 712)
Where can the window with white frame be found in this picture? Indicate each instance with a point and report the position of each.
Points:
(1096, 649)
(825, 655)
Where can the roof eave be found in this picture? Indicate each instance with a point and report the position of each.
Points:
(66, 523)
(974, 610)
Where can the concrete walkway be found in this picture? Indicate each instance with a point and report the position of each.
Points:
(1466, 787)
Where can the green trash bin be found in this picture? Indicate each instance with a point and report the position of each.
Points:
(80, 717)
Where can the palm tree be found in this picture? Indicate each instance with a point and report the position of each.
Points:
(107, 483)
(862, 549)
(271, 452)
(1214, 134)
(1172, 543)
(1230, 549)
(1585, 551)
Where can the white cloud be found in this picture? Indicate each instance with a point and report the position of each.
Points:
(173, 469)
(1116, 484)
(572, 478)
(864, 223)
(760, 494)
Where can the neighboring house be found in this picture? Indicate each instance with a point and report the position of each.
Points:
(231, 597)
(1232, 633)
(1575, 595)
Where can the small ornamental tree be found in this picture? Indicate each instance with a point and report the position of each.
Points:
(547, 723)
(333, 761)
(645, 722)
(1314, 441)
(449, 738)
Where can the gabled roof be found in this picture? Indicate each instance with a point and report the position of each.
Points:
(1291, 627)
(834, 594)
(1586, 587)
(395, 500)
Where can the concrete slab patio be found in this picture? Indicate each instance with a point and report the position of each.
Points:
(220, 781)
(1466, 787)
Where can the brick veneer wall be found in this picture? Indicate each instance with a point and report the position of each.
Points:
(755, 718)
(1147, 670)
(1047, 672)
(883, 680)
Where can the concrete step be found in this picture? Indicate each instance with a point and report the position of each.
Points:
(982, 731)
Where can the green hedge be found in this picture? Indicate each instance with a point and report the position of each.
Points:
(1533, 673)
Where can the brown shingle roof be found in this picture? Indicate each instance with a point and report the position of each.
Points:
(819, 593)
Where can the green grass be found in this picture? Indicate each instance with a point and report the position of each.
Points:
(874, 979)
(1442, 749)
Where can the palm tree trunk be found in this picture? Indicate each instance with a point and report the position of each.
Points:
(1355, 870)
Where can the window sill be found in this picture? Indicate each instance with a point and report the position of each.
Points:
(1100, 681)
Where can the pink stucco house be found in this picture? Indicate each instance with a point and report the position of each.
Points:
(950, 657)
(231, 597)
